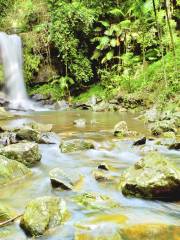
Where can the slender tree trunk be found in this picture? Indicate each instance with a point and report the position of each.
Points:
(160, 41)
(170, 29)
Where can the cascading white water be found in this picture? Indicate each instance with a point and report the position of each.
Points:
(12, 60)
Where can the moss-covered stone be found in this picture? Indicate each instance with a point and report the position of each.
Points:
(11, 170)
(159, 127)
(75, 145)
(103, 176)
(121, 130)
(95, 201)
(4, 114)
(28, 134)
(152, 177)
(42, 214)
(6, 212)
(27, 153)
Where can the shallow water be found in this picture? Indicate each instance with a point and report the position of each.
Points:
(118, 154)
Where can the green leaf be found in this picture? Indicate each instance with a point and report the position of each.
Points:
(105, 23)
(96, 55)
(116, 12)
(113, 42)
(109, 55)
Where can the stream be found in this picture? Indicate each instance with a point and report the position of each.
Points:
(119, 154)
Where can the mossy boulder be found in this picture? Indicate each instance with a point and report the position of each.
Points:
(152, 177)
(103, 176)
(42, 214)
(28, 134)
(121, 130)
(65, 180)
(27, 153)
(75, 145)
(11, 170)
(159, 127)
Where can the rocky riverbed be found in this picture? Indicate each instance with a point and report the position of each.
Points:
(89, 176)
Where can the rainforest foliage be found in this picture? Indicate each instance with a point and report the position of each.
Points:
(118, 45)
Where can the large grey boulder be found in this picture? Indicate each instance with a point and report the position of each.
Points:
(152, 177)
(11, 170)
(27, 153)
(42, 214)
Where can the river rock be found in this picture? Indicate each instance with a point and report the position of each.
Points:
(152, 177)
(80, 122)
(106, 231)
(95, 201)
(41, 97)
(64, 180)
(40, 127)
(27, 153)
(48, 138)
(103, 176)
(141, 141)
(7, 138)
(28, 134)
(175, 146)
(75, 145)
(11, 170)
(43, 213)
(101, 107)
(4, 114)
(104, 166)
(6, 212)
(162, 126)
(121, 130)
(61, 105)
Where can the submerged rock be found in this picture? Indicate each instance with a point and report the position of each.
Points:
(42, 214)
(40, 127)
(175, 146)
(75, 145)
(121, 130)
(11, 170)
(80, 122)
(152, 177)
(95, 201)
(103, 166)
(27, 153)
(64, 180)
(4, 114)
(108, 231)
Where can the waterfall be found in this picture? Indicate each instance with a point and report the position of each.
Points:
(12, 60)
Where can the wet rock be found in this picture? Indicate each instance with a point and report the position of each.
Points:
(169, 135)
(94, 201)
(40, 127)
(11, 170)
(48, 138)
(42, 214)
(141, 141)
(152, 177)
(6, 212)
(106, 231)
(103, 176)
(28, 134)
(151, 115)
(41, 97)
(80, 122)
(7, 138)
(61, 105)
(101, 107)
(4, 114)
(27, 153)
(82, 106)
(162, 126)
(75, 145)
(64, 180)
(121, 130)
(103, 166)
(175, 146)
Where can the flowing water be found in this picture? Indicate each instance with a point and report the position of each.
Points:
(118, 154)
